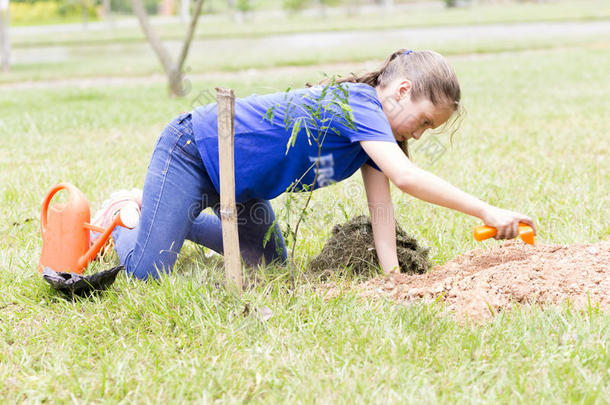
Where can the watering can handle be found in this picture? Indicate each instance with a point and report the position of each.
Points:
(47, 201)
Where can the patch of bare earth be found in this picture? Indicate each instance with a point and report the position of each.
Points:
(482, 282)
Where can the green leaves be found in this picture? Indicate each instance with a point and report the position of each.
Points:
(293, 136)
(270, 113)
(317, 113)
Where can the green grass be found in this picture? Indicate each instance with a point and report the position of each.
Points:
(138, 59)
(535, 139)
(185, 340)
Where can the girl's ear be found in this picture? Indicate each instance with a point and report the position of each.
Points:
(403, 90)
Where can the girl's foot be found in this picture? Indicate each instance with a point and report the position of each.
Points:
(129, 199)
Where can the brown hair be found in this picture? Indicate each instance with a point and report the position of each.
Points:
(430, 75)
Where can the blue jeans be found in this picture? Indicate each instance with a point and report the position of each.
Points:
(177, 188)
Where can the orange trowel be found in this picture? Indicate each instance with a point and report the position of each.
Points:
(526, 233)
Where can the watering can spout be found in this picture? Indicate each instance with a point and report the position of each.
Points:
(127, 217)
(65, 230)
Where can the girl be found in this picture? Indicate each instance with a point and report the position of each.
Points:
(410, 93)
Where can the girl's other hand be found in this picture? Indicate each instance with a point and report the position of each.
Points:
(506, 222)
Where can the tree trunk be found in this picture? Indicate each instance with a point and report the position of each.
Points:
(84, 12)
(388, 5)
(190, 33)
(106, 8)
(151, 36)
(352, 7)
(107, 12)
(173, 70)
(184, 11)
(5, 43)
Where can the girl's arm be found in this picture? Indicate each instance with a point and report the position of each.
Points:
(381, 209)
(428, 187)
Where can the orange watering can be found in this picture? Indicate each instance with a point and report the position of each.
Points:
(66, 231)
(526, 233)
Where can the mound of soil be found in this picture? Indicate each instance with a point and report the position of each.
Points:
(351, 245)
(482, 282)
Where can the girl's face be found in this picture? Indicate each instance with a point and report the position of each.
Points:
(410, 118)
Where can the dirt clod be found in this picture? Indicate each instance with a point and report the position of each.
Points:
(351, 245)
(482, 282)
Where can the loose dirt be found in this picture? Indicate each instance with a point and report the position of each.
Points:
(483, 282)
(351, 245)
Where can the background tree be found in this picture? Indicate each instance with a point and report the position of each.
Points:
(173, 69)
(294, 6)
(388, 5)
(86, 6)
(107, 12)
(185, 11)
(5, 43)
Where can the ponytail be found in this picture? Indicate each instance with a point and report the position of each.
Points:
(370, 78)
(430, 75)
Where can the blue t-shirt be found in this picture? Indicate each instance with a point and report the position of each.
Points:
(265, 166)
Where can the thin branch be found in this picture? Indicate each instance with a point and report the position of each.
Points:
(155, 42)
(189, 35)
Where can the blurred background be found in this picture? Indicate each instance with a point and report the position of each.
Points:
(59, 39)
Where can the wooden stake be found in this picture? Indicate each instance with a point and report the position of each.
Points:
(228, 211)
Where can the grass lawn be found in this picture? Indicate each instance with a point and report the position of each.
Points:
(535, 139)
(230, 55)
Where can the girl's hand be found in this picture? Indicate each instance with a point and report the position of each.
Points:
(506, 222)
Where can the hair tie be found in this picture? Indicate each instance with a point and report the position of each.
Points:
(408, 51)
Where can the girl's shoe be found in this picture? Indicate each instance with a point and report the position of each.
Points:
(130, 200)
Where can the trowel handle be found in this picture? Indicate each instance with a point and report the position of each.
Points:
(485, 232)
